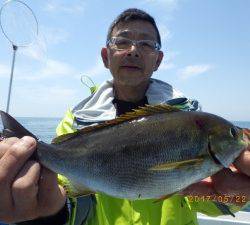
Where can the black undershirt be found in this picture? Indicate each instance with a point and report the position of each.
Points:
(124, 106)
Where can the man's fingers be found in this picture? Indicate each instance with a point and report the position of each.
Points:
(25, 186)
(234, 183)
(202, 188)
(14, 159)
(212, 189)
(246, 136)
(243, 161)
(6, 143)
(48, 184)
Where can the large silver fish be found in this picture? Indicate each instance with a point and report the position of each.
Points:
(152, 152)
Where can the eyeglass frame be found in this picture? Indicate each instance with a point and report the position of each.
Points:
(134, 43)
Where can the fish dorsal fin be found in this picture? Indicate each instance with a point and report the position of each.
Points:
(147, 110)
(63, 137)
(135, 114)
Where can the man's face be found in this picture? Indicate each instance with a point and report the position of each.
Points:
(134, 65)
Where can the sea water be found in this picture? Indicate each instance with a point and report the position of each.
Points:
(45, 128)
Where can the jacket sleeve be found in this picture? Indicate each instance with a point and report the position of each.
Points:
(66, 124)
(65, 127)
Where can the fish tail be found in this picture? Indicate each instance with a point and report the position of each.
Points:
(12, 128)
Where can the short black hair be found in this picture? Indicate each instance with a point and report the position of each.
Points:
(133, 14)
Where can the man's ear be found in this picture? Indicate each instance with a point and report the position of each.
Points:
(104, 54)
(158, 61)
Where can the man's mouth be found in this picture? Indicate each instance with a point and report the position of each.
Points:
(130, 67)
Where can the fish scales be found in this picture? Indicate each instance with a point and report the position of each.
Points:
(120, 156)
(146, 157)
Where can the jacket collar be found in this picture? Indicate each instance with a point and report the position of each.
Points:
(99, 107)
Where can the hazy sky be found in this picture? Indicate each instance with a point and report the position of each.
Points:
(206, 46)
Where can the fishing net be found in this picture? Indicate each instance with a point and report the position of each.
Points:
(18, 23)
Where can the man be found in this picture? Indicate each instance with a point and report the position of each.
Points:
(31, 192)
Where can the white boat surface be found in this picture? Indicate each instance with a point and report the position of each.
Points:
(240, 218)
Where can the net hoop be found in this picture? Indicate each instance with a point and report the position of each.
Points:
(32, 13)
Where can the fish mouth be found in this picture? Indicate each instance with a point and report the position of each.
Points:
(213, 155)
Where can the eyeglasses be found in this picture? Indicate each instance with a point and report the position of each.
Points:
(121, 43)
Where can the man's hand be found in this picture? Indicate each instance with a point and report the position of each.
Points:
(28, 190)
(227, 186)
(242, 163)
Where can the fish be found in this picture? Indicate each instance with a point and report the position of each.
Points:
(151, 152)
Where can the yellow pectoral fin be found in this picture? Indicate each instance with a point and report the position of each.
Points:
(179, 164)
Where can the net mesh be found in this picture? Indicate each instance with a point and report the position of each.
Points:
(18, 23)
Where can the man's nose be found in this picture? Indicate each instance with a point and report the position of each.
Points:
(133, 51)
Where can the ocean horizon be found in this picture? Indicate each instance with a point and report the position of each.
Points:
(45, 127)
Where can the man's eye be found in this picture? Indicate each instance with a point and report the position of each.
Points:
(122, 42)
(147, 44)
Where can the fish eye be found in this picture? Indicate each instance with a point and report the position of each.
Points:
(233, 132)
